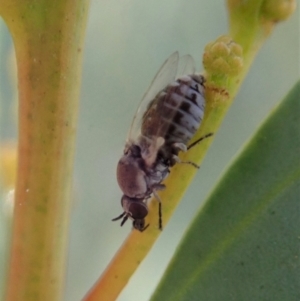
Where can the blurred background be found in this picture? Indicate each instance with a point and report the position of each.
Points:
(126, 43)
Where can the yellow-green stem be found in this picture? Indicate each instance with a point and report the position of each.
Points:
(48, 39)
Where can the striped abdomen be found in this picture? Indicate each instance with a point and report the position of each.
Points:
(177, 111)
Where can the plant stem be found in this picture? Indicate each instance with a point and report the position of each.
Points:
(48, 39)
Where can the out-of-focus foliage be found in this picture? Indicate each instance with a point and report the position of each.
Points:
(244, 244)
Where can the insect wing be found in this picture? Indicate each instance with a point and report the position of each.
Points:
(161, 113)
(165, 75)
(186, 66)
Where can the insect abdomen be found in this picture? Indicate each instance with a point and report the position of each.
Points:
(176, 112)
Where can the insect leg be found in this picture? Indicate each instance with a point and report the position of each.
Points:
(183, 148)
(180, 146)
(119, 217)
(159, 186)
(159, 210)
(199, 140)
(176, 159)
(124, 220)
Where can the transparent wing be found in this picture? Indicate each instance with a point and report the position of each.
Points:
(160, 117)
(186, 66)
(165, 75)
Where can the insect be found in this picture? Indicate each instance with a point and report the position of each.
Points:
(169, 115)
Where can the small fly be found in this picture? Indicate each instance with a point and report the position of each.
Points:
(167, 118)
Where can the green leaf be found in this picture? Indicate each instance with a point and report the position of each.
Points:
(244, 244)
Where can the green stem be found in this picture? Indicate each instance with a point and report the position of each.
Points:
(48, 39)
